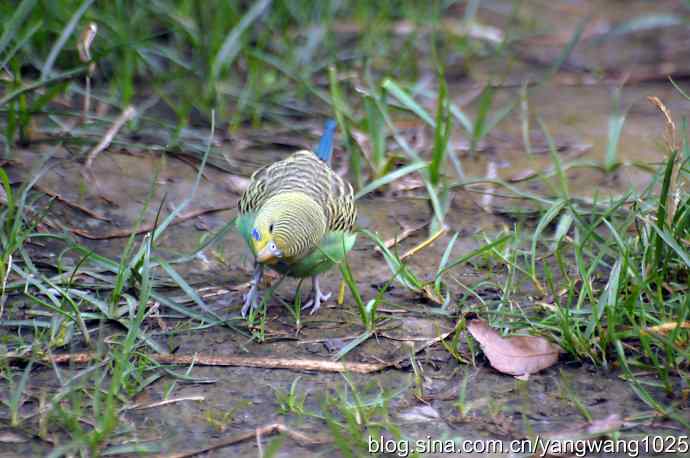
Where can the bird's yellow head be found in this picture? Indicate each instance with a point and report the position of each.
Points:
(287, 227)
(266, 246)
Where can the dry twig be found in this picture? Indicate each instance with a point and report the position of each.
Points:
(298, 364)
(69, 203)
(407, 231)
(266, 430)
(424, 244)
(129, 113)
(238, 361)
(164, 402)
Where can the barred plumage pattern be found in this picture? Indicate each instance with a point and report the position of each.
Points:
(302, 223)
(304, 172)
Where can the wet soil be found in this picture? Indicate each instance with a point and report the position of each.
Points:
(245, 398)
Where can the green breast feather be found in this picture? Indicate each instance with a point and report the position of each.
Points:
(244, 224)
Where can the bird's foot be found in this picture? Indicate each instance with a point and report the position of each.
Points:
(251, 299)
(317, 297)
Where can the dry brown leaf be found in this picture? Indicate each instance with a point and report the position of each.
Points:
(514, 355)
(407, 183)
(665, 328)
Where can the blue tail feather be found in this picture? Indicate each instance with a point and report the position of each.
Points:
(325, 149)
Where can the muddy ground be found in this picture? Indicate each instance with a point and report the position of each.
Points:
(240, 399)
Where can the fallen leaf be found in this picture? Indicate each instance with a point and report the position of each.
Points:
(514, 355)
(665, 328)
(407, 183)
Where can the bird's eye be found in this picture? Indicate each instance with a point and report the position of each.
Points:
(270, 228)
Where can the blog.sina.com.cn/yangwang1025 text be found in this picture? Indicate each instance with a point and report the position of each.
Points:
(539, 446)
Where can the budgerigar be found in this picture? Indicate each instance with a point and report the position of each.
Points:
(297, 216)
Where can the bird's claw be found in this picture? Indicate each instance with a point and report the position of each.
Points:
(314, 303)
(251, 299)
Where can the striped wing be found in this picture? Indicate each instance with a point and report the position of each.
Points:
(304, 172)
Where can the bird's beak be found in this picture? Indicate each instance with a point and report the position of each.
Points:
(265, 256)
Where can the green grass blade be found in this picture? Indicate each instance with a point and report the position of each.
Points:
(555, 158)
(187, 288)
(496, 118)
(615, 128)
(67, 75)
(11, 26)
(525, 118)
(444, 260)
(231, 45)
(441, 135)
(62, 39)
(408, 102)
(462, 118)
(390, 177)
(20, 43)
(342, 115)
(479, 128)
(673, 243)
(354, 343)
(643, 394)
(679, 89)
(18, 392)
(567, 51)
(177, 210)
(646, 22)
(377, 134)
(472, 254)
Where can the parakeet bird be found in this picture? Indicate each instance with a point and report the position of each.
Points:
(297, 216)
